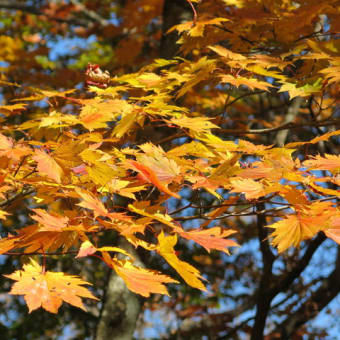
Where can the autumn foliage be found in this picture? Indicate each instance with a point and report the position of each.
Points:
(129, 156)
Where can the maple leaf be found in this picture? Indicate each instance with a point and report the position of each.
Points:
(50, 222)
(252, 83)
(223, 52)
(212, 238)
(252, 189)
(328, 162)
(5, 109)
(87, 248)
(12, 151)
(3, 214)
(189, 273)
(48, 166)
(48, 289)
(149, 176)
(142, 281)
(315, 140)
(7, 244)
(96, 113)
(92, 202)
(163, 218)
(165, 169)
(333, 231)
(302, 91)
(308, 221)
(197, 124)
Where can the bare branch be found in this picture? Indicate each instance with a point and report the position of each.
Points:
(318, 300)
(19, 195)
(287, 280)
(89, 17)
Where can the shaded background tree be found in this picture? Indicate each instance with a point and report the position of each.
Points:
(294, 47)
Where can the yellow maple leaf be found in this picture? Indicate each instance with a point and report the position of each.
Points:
(142, 281)
(252, 189)
(190, 274)
(308, 221)
(48, 289)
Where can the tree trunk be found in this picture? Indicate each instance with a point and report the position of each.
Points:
(121, 307)
(120, 311)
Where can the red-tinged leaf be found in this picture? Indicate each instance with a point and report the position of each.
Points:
(149, 176)
(189, 273)
(50, 222)
(48, 289)
(249, 187)
(213, 238)
(48, 166)
(142, 281)
(80, 169)
(86, 249)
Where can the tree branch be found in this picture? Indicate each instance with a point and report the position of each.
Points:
(121, 307)
(287, 280)
(263, 299)
(293, 111)
(329, 289)
(91, 15)
(285, 126)
(18, 6)
(21, 194)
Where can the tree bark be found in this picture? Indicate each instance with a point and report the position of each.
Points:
(174, 12)
(328, 290)
(121, 307)
(120, 311)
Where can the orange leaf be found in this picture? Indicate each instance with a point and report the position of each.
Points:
(308, 221)
(92, 202)
(50, 222)
(249, 187)
(212, 238)
(329, 162)
(10, 150)
(86, 248)
(189, 273)
(142, 281)
(48, 166)
(48, 289)
(149, 176)
(334, 231)
(334, 234)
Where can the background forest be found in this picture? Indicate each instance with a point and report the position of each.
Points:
(181, 157)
